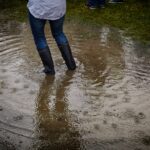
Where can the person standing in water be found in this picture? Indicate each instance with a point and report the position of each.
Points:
(52, 11)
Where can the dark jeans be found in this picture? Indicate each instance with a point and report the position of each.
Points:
(37, 27)
(96, 2)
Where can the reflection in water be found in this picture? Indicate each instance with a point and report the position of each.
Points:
(104, 36)
(54, 128)
(136, 61)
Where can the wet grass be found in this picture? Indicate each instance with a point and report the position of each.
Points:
(133, 16)
(18, 12)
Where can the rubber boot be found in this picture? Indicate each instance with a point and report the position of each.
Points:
(47, 61)
(67, 56)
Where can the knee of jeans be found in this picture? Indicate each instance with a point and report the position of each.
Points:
(56, 34)
(40, 43)
(60, 38)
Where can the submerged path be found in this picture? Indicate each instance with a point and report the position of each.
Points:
(103, 105)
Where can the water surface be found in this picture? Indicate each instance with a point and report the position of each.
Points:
(104, 104)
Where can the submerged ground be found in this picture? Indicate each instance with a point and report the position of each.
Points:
(103, 105)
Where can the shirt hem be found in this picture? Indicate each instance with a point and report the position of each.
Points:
(45, 18)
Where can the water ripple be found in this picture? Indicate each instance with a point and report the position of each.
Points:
(103, 104)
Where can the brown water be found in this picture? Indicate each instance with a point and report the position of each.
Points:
(103, 105)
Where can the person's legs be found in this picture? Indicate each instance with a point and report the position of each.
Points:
(37, 27)
(92, 4)
(116, 1)
(62, 42)
(101, 3)
(57, 31)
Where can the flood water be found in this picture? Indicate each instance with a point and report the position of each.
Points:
(103, 105)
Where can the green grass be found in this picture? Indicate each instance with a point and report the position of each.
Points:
(132, 16)
(18, 13)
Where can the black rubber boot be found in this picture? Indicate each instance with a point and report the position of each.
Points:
(47, 61)
(67, 56)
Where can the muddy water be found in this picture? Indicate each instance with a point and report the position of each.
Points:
(103, 105)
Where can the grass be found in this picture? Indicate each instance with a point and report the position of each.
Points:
(132, 16)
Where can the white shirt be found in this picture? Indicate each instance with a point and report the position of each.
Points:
(47, 9)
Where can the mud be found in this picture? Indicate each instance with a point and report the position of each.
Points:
(104, 104)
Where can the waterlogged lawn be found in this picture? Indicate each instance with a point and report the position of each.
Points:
(133, 16)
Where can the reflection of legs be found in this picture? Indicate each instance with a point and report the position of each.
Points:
(62, 42)
(43, 117)
(53, 124)
(37, 26)
(60, 104)
(71, 140)
(42, 98)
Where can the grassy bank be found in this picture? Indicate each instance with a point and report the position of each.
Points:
(133, 16)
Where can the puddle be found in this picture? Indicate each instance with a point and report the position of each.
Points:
(104, 104)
